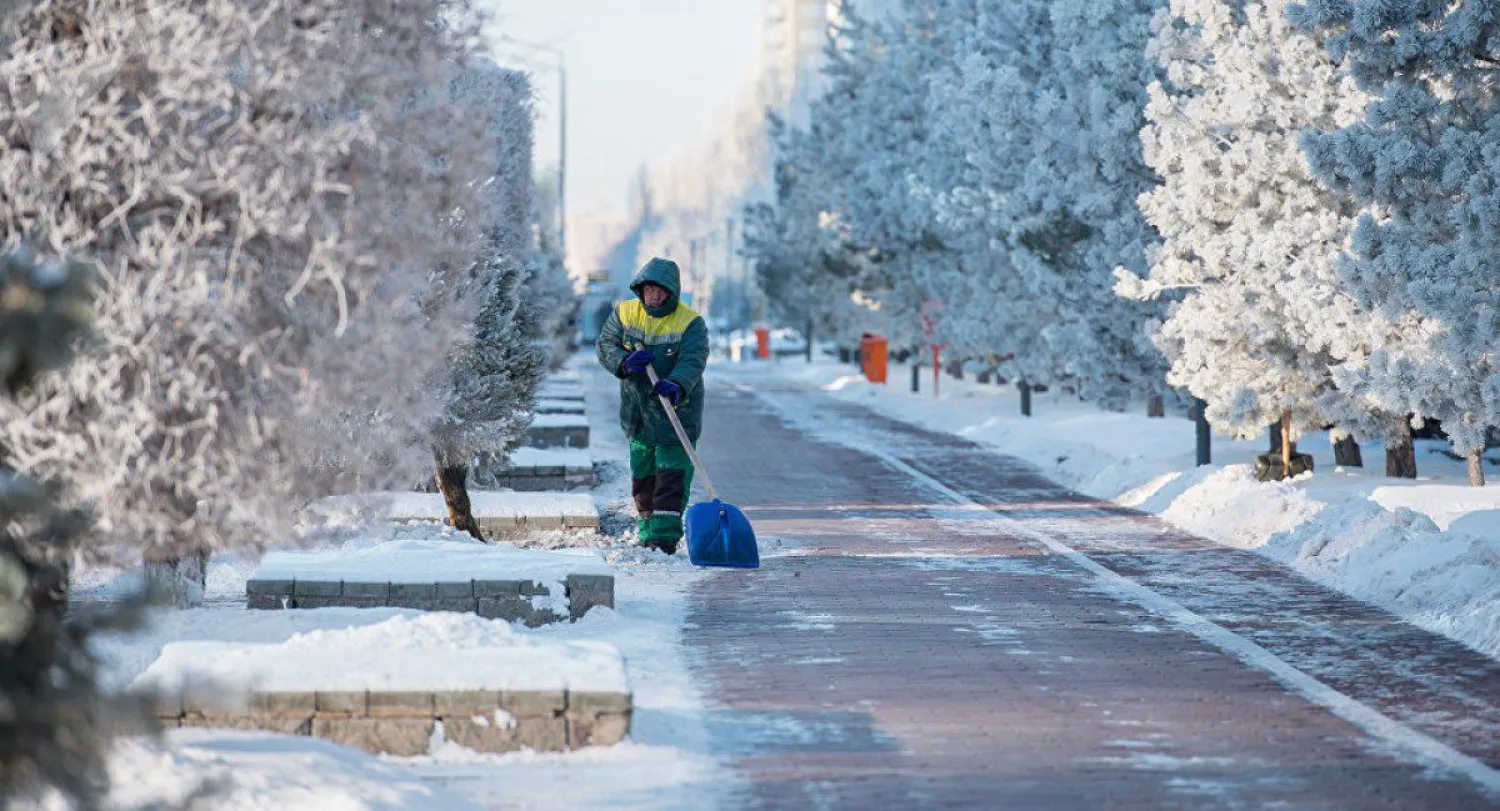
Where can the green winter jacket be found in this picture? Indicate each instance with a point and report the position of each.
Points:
(679, 339)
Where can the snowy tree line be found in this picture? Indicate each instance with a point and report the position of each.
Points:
(290, 249)
(1288, 210)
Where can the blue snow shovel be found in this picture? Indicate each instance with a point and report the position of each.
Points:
(718, 534)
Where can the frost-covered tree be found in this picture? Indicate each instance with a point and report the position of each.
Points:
(1249, 238)
(1090, 175)
(55, 721)
(269, 190)
(492, 372)
(805, 263)
(1424, 161)
(1044, 99)
(875, 115)
(985, 102)
(855, 223)
(524, 291)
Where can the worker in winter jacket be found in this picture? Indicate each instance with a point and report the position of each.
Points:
(656, 329)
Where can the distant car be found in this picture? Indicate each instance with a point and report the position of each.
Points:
(787, 341)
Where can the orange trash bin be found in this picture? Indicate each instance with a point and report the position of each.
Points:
(762, 343)
(873, 351)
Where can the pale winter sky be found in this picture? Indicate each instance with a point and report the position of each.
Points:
(644, 77)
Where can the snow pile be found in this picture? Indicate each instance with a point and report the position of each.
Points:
(1228, 505)
(423, 561)
(1446, 581)
(399, 506)
(560, 421)
(551, 457)
(554, 404)
(438, 651)
(1427, 550)
(254, 771)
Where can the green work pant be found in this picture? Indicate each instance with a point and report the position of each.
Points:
(660, 478)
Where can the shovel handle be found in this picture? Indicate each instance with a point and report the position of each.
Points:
(681, 434)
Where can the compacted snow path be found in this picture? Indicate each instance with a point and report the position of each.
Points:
(938, 625)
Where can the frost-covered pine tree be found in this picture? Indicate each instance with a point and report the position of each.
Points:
(1079, 219)
(494, 372)
(269, 191)
(1250, 240)
(1044, 207)
(870, 136)
(805, 261)
(55, 720)
(984, 101)
(1423, 161)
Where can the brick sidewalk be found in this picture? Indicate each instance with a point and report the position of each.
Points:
(897, 655)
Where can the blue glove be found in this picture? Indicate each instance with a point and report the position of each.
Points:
(637, 361)
(669, 390)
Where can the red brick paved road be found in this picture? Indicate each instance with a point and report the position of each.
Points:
(896, 653)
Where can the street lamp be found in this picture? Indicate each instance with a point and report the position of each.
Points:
(562, 133)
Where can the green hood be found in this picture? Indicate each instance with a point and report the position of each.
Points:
(661, 272)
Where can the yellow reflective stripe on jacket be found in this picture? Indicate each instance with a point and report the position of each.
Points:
(641, 327)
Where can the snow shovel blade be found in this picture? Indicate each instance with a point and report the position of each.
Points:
(718, 534)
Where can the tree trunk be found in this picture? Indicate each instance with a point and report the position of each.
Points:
(956, 369)
(1346, 452)
(1476, 468)
(1288, 447)
(452, 482)
(1025, 398)
(182, 578)
(916, 378)
(1156, 406)
(809, 340)
(1400, 455)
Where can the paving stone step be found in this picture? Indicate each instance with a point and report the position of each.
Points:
(559, 405)
(564, 392)
(491, 473)
(545, 435)
(509, 600)
(402, 723)
(504, 514)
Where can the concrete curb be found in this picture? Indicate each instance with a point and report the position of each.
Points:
(510, 600)
(401, 723)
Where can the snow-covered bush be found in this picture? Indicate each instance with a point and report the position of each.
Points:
(271, 192)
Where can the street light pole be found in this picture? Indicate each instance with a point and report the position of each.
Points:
(562, 158)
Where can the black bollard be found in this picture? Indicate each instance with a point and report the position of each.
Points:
(1204, 432)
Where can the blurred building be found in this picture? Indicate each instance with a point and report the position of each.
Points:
(793, 38)
(791, 52)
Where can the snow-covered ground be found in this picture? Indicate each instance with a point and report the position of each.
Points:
(1427, 549)
(255, 771)
(665, 763)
